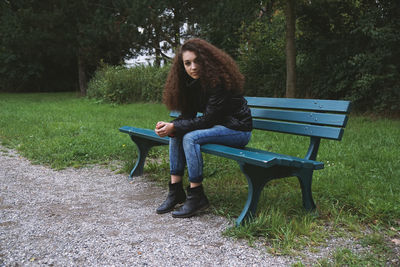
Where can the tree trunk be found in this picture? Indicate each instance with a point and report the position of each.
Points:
(177, 30)
(157, 60)
(290, 49)
(157, 45)
(82, 75)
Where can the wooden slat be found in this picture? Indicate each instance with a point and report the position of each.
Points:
(301, 104)
(175, 114)
(300, 129)
(339, 120)
(146, 133)
(260, 158)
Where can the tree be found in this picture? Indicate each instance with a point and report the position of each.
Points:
(32, 51)
(163, 27)
(220, 22)
(348, 49)
(262, 55)
(47, 45)
(266, 44)
(269, 11)
(101, 31)
(290, 48)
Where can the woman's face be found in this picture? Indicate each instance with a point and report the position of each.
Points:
(191, 65)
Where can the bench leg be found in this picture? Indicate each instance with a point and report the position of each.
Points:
(256, 180)
(143, 146)
(305, 179)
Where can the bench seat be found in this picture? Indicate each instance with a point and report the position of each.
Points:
(248, 155)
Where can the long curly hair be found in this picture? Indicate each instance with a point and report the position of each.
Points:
(216, 69)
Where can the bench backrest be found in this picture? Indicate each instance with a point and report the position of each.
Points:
(308, 117)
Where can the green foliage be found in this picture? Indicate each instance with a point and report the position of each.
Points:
(376, 66)
(40, 41)
(348, 50)
(262, 56)
(345, 50)
(117, 84)
(34, 50)
(219, 21)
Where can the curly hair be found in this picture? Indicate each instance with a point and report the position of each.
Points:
(216, 69)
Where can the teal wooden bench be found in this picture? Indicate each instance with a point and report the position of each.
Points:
(312, 118)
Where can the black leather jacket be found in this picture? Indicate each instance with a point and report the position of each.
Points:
(219, 107)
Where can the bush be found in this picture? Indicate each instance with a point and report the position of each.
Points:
(118, 84)
(343, 51)
(262, 57)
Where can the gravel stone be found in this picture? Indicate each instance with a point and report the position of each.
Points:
(94, 217)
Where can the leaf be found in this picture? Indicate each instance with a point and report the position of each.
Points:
(396, 241)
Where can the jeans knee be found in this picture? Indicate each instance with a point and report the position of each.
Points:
(188, 141)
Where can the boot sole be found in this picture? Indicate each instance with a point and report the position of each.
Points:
(171, 209)
(191, 214)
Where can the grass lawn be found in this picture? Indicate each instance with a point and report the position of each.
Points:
(357, 194)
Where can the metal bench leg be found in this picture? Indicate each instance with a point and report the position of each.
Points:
(143, 146)
(256, 180)
(305, 179)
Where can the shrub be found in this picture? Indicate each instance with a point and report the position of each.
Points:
(262, 57)
(118, 84)
(343, 51)
(153, 82)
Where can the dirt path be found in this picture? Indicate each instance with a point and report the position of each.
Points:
(92, 217)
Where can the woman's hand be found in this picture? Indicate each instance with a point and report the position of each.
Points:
(164, 128)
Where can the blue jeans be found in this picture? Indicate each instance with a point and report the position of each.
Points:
(186, 150)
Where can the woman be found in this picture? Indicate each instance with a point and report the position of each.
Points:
(202, 79)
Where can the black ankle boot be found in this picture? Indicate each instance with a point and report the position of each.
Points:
(176, 195)
(196, 201)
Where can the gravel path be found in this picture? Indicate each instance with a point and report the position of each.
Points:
(94, 217)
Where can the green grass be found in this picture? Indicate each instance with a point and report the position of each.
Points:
(357, 194)
(61, 130)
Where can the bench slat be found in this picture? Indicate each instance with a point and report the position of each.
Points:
(175, 114)
(300, 116)
(337, 106)
(317, 165)
(299, 129)
(146, 133)
(259, 157)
